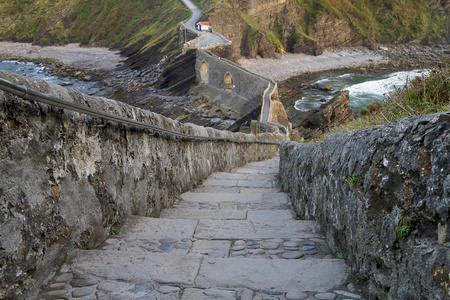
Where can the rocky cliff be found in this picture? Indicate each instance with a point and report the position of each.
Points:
(268, 27)
(381, 195)
(313, 123)
(145, 31)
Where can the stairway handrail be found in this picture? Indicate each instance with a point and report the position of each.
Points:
(34, 95)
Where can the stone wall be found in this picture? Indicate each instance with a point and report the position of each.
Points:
(381, 195)
(66, 179)
(247, 85)
(246, 92)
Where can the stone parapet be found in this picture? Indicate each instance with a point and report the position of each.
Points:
(67, 180)
(381, 195)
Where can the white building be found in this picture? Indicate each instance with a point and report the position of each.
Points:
(203, 26)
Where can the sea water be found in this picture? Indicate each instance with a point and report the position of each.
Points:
(363, 88)
(31, 69)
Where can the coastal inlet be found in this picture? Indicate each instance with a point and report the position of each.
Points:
(364, 88)
(41, 71)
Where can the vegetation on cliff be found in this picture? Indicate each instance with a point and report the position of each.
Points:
(385, 21)
(133, 24)
(309, 26)
(255, 28)
(427, 94)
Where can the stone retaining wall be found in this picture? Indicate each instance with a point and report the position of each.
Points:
(66, 179)
(381, 195)
(247, 85)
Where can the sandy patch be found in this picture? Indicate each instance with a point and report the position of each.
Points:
(71, 54)
(289, 65)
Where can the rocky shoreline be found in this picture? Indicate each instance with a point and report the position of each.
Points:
(139, 87)
(135, 87)
(397, 58)
(357, 59)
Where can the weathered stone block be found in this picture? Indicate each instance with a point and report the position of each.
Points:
(381, 195)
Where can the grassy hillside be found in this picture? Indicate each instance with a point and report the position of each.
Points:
(299, 25)
(138, 24)
(385, 21)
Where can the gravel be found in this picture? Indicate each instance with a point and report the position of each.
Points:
(73, 55)
(289, 65)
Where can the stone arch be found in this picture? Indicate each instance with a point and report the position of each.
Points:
(228, 80)
(204, 72)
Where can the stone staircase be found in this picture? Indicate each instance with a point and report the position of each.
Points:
(234, 237)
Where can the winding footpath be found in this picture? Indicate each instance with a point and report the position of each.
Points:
(207, 38)
(234, 237)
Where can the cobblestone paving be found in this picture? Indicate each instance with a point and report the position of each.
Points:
(234, 237)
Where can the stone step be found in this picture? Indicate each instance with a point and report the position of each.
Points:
(318, 275)
(268, 183)
(136, 266)
(225, 212)
(221, 197)
(234, 237)
(247, 229)
(235, 190)
(228, 176)
(144, 227)
(199, 213)
(245, 177)
(270, 215)
(209, 197)
(265, 205)
(253, 171)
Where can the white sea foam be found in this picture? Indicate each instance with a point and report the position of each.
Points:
(363, 89)
(382, 86)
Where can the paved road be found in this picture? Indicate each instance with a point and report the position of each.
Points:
(234, 237)
(208, 37)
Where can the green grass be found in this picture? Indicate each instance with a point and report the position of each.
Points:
(353, 180)
(404, 227)
(250, 21)
(249, 38)
(112, 23)
(426, 94)
(388, 21)
(275, 39)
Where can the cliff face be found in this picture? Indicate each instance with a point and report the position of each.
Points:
(266, 27)
(144, 30)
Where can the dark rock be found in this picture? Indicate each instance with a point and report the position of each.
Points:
(400, 174)
(335, 112)
(271, 292)
(83, 282)
(81, 292)
(142, 287)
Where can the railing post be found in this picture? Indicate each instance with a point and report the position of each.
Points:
(254, 128)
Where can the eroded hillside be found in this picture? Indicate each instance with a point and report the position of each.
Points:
(136, 26)
(265, 27)
(146, 30)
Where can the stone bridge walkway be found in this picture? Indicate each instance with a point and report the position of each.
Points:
(234, 237)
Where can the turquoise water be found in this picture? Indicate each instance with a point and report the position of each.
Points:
(30, 69)
(363, 88)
